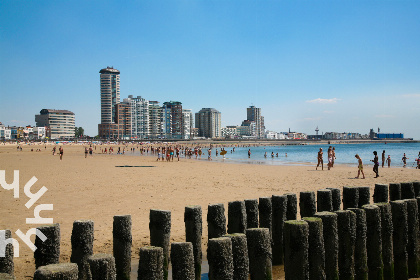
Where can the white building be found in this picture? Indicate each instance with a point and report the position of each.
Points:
(187, 123)
(274, 135)
(60, 123)
(139, 116)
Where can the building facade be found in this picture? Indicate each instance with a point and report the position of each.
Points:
(172, 120)
(208, 121)
(60, 123)
(139, 116)
(121, 130)
(110, 93)
(254, 114)
(155, 120)
(187, 123)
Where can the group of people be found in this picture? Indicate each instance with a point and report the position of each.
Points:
(331, 158)
(60, 151)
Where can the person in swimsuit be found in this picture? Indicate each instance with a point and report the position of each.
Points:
(375, 164)
(320, 159)
(61, 150)
(360, 167)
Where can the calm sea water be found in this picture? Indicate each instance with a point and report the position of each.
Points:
(307, 154)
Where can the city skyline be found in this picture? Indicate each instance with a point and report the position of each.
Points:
(342, 66)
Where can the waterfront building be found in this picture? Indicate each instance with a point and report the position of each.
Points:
(208, 121)
(139, 116)
(60, 123)
(187, 123)
(254, 114)
(110, 93)
(172, 120)
(121, 130)
(155, 120)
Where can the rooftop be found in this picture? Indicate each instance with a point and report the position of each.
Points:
(109, 70)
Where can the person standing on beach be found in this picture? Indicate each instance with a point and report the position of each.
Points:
(209, 152)
(249, 153)
(404, 160)
(86, 152)
(61, 150)
(330, 157)
(320, 159)
(375, 164)
(383, 158)
(388, 160)
(333, 157)
(360, 167)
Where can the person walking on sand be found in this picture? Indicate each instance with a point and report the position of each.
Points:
(383, 158)
(360, 167)
(320, 159)
(388, 160)
(333, 157)
(404, 160)
(329, 157)
(375, 164)
(86, 152)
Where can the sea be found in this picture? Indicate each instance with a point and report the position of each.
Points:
(307, 154)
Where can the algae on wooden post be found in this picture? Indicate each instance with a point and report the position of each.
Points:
(350, 197)
(182, 259)
(237, 221)
(102, 266)
(291, 213)
(160, 233)
(266, 213)
(394, 191)
(316, 251)
(193, 233)
(387, 239)
(407, 190)
(346, 225)
(307, 204)
(296, 240)
(400, 238)
(48, 251)
(216, 221)
(259, 252)
(150, 263)
(413, 242)
(416, 186)
(251, 213)
(62, 271)
(6, 262)
(380, 193)
(330, 233)
(364, 196)
(82, 246)
(219, 255)
(324, 200)
(360, 254)
(240, 256)
(279, 204)
(374, 241)
(122, 241)
(336, 198)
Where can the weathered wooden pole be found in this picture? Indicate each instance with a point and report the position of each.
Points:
(193, 233)
(279, 204)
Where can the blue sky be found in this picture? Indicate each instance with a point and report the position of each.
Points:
(344, 66)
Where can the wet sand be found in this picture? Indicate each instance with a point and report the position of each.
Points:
(94, 188)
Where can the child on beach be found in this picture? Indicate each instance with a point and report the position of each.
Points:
(404, 160)
(360, 167)
(388, 160)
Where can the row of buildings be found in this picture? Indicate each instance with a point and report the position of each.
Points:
(50, 124)
(139, 118)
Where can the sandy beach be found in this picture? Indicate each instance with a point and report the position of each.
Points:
(95, 188)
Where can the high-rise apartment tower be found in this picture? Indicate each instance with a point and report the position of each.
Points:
(110, 94)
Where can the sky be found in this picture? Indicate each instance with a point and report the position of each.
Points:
(344, 66)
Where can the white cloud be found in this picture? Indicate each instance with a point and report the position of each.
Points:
(323, 101)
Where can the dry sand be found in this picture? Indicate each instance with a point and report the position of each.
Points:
(94, 188)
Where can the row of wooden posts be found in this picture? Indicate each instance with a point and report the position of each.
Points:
(362, 241)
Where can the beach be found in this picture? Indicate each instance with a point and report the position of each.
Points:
(101, 186)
